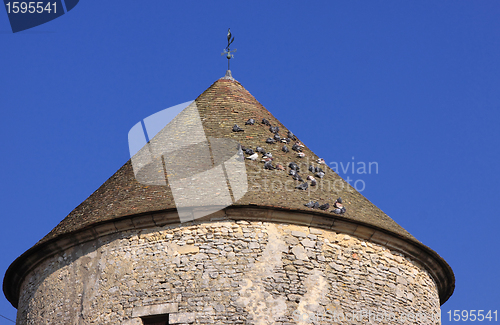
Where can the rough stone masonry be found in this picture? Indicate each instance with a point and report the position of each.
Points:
(224, 272)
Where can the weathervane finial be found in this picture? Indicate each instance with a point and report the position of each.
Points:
(227, 51)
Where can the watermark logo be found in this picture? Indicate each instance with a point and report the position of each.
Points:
(205, 174)
(28, 14)
(356, 169)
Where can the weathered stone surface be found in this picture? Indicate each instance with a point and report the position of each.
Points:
(297, 233)
(188, 249)
(181, 318)
(300, 253)
(222, 277)
(155, 309)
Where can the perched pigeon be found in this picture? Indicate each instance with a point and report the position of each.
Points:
(309, 178)
(299, 144)
(294, 166)
(270, 140)
(266, 122)
(297, 177)
(301, 155)
(313, 182)
(280, 167)
(284, 140)
(292, 172)
(325, 206)
(250, 121)
(249, 151)
(310, 204)
(285, 149)
(290, 135)
(320, 161)
(288, 140)
(260, 149)
(318, 170)
(311, 168)
(339, 210)
(274, 129)
(268, 155)
(320, 174)
(302, 186)
(338, 203)
(236, 128)
(316, 205)
(269, 165)
(253, 157)
(277, 137)
(295, 147)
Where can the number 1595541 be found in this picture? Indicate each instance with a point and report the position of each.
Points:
(30, 7)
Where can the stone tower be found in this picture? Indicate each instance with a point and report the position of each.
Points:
(123, 256)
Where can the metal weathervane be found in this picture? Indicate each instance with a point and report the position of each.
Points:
(227, 51)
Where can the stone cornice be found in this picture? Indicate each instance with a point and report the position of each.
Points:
(435, 265)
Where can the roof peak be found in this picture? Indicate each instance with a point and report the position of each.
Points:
(228, 76)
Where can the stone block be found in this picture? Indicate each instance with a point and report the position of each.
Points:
(298, 233)
(188, 249)
(181, 318)
(155, 310)
(132, 321)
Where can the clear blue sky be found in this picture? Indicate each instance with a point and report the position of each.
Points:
(411, 85)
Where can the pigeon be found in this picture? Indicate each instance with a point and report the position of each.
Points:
(270, 140)
(266, 122)
(309, 178)
(293, 166)
(253, 157)
(277, 137)
(283, 140)
(301, 155)
(302, 186)
(320, 174)
(268, 155)
(274, 129)
(249, 151)
(320, 161)
(292, 172)
(285, 149)
(310, 204)
(316, 205)
(295, 147)
(269, 165)
(250, 121)
(311, 169)
(280, 167)
(313, 182)
(325, 206)
(260, 149)
(299, 144)
(339, 210)
(297, 177)
(290, 135)
(288, 140)
(318, 170)
(236, 128)
(338, 203)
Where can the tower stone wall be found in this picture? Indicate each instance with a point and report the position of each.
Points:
(227, 272)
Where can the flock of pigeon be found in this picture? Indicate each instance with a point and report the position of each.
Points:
(267, 159)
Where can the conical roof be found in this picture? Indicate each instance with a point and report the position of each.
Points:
(224, 104)
(155, 182)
